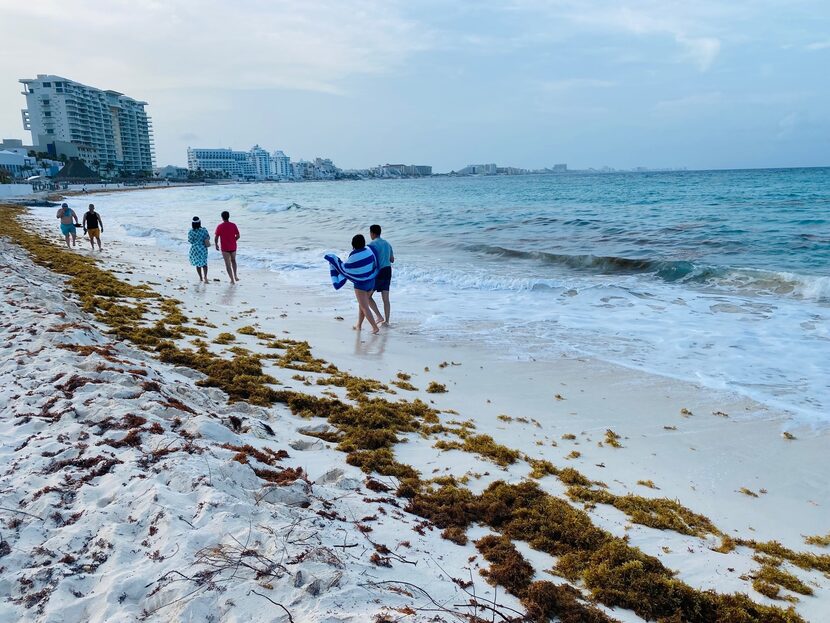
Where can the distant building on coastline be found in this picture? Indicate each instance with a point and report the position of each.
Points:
(479, 169)
(106, 129)
(171, 172)
(282, 165)
(257, 164)
(402, 170)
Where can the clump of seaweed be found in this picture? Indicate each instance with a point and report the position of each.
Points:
(484, 445)
(820, 540)
(539, 468)
(612, 439)
(804, 560)
(616, 573)
(771, 578)
(224, 338)
(507, 566)
(660, 513)
(543, 600)
(436, 388)
(356, 386)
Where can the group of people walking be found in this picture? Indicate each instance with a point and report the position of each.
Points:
(369, 269)
(224, 239)
(92, 224)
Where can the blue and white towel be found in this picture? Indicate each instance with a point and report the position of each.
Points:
(360, 267)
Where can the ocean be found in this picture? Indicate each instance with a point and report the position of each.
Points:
(718, 277)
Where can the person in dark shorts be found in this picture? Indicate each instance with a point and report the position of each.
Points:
(386, 257)
(93, 226)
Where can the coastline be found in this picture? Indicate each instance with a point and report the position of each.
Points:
(668, 431)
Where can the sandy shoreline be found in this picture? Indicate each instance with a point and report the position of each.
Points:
(673, 435)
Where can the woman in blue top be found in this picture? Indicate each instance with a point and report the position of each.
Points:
(199, 239)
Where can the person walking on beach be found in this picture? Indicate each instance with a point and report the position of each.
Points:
(93, 226)
(361, 268)
(383, 251)
(226, 235)
(199, 239)
(69, 221)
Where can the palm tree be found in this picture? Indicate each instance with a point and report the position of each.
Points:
(109, 167)
(97, 164)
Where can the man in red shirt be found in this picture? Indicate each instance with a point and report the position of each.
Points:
(226, 235)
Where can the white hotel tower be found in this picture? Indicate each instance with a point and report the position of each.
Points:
(106, 126)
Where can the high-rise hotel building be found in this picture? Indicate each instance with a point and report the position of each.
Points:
(103, 126)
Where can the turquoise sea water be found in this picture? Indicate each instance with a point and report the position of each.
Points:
(719, 277)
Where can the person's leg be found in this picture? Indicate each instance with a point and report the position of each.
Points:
(374, 307)
(387, 306)
(363, 303)
(66, 238)
(204, 268)
(360, 314)
(233, 265)
(98, 238)
(92, 242)
(74, 238)
(227, 257)
(199, 272)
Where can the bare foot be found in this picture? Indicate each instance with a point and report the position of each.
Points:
(375, 331)
(356, 327)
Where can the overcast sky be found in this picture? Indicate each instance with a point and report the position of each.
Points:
(530, 83)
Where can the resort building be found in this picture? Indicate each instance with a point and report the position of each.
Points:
(261, 162)
(105, 129)
(281, 165)
(16, 165)
(479, 169)
(226, 161)
(403, 170)
(257, 164)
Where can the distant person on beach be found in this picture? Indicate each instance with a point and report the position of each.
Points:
(69, 221)
(361, 268)
(383, 251)
(226, 235)
(199, 239)
(93, 226)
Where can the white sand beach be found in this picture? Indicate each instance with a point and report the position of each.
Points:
(104, 532)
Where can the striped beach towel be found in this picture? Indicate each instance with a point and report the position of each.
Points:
(360, 267)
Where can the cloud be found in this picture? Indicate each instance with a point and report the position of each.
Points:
(691, 25)
(181, 44)
(702, 51)
(818, 45)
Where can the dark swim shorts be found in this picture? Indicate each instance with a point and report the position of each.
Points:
(384, 279)
(366, 286)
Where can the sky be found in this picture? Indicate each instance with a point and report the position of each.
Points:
(527, 83)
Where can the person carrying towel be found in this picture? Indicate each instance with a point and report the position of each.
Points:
(361, 268)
